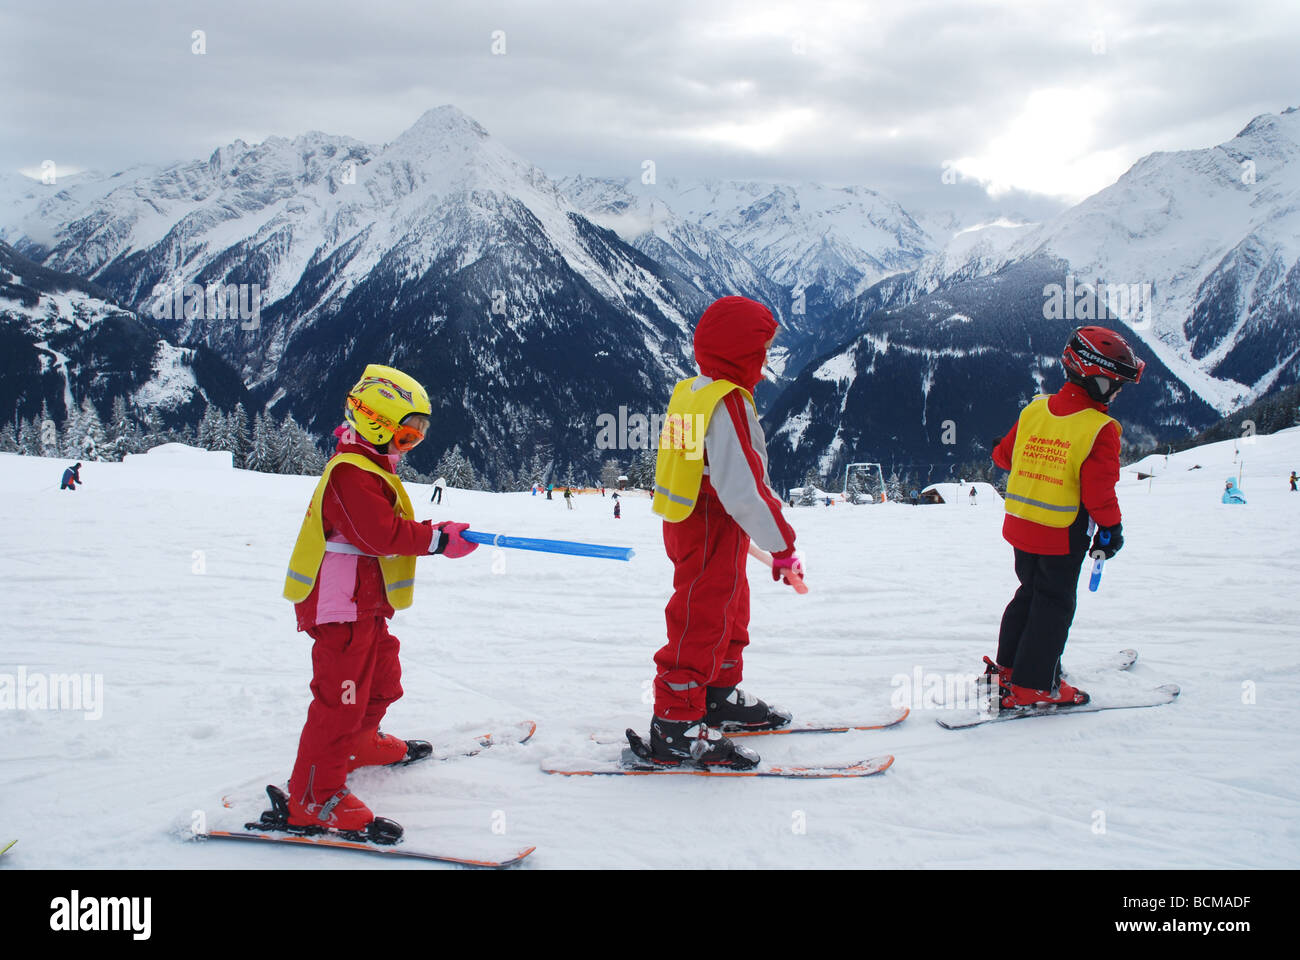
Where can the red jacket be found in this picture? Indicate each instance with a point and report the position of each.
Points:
(1097, 477)
(358, 507)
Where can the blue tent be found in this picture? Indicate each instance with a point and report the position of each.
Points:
(1232, 493)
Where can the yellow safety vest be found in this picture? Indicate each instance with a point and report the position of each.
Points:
(1044, 484)
(679, 467)
(309, 551)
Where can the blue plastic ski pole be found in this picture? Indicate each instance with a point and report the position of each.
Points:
(569, 547)
(1099, 560)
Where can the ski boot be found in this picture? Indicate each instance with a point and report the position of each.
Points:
(691, 743)
(1062, 695)
(342, 815)
(731, 710)
(995, 674)
(379, 749)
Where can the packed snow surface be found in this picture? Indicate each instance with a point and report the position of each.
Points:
(165, 582)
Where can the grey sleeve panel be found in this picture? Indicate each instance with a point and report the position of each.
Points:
(733, 479)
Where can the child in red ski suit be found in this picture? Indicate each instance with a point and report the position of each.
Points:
(709, 522)
(356, 674)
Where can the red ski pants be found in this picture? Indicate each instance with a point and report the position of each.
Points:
(708, 615)
(355, 677)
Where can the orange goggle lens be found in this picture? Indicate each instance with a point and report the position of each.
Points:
(405, 436)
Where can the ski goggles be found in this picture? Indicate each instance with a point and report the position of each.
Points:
(406, 436)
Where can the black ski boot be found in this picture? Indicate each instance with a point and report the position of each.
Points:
(731, 710)
(694, 743)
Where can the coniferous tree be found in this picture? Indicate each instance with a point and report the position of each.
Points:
(808, 496)
(94, 442)
(9, 438)
(609, 473)
(236, 435)
(210, 429)
(285, 446)
(894, 487)
(48, 435)
(122, 437)
(261, 450)
(29, 438)
(71, 436)
(537, 471)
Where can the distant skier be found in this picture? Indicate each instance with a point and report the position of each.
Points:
(549, 488)
(352, 565)
(1293, 481)
(972, 496)
(618, 508)
(438, 486)
(568, 497)
(72, 477)
(1232, 493)
(713, 500)
(1063, 455)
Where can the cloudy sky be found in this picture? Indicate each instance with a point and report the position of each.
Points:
(1027, 105)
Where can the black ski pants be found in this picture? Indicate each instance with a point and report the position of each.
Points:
(1037, 621)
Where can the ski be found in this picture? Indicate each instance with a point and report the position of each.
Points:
(7, 846)
(382, 836)
(634, 762)
(632, 766)
(1120, 660)
(392, 850)
(961, 719)
(893, 719)
(472, 746)
(520, 732)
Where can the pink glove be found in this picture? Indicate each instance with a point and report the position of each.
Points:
(449, 542)
(788, 567)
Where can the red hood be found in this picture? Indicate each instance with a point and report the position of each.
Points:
(349, 442)
(731, 339)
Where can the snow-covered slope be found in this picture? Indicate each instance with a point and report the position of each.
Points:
(805, 249)
(205, 681)
(840, 239)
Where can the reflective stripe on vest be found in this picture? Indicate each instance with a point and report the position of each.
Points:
(1044, 485)
(680, 467)
(311, 546)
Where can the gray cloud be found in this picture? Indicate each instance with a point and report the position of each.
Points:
(881, 94)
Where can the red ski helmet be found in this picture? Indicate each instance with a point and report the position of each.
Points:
(1101, 361)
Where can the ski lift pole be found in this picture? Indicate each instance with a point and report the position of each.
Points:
(567, 547)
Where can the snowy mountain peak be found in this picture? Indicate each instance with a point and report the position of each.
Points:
(442, 123)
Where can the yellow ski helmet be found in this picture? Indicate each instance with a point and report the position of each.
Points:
(381, 400)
